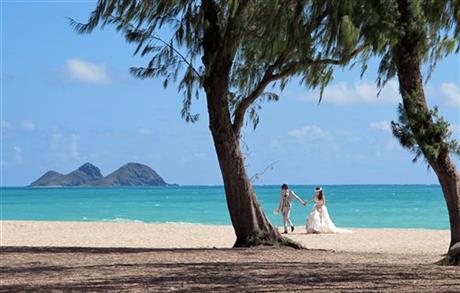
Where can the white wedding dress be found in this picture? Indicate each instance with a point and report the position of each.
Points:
(318, 221)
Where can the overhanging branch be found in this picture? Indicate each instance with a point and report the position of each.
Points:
(245, 103)
(295, 67)
(291, 69)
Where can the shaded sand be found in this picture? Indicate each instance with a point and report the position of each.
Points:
(138, 257)
(60, 269)
(142, 235)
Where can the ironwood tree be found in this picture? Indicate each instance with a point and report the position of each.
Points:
(234, 52)
(407, 35)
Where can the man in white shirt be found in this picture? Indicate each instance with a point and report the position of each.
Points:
(286, 197)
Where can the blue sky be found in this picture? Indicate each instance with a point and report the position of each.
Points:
(68, 99)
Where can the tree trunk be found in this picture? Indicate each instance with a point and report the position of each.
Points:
(249, 221)
(410, 78)
(251, 226)
(450, 183)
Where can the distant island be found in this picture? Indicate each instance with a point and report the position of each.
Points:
(130, 174)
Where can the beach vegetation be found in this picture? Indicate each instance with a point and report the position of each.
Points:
(409, 38)
(238, 55)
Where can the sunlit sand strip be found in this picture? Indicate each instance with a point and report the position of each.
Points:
(127, 234)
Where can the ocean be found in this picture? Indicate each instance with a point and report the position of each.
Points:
(366, 206)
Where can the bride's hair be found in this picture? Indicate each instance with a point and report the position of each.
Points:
(320, 195)
(284, 186)
(320, 192)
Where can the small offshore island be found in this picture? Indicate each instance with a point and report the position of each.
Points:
(130, 174)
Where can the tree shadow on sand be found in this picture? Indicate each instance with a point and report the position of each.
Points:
(186, 274)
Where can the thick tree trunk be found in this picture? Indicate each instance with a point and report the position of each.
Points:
(414, 101)
(251, 226)
(450, 183)
(249, 221)
(443, 166)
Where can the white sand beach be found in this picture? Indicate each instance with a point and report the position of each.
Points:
(138, 257)
(143, 235)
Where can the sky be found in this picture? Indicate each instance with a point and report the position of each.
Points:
(68, 99)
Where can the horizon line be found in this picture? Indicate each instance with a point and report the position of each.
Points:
(218, 185)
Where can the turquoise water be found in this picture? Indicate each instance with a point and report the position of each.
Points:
(401, 206)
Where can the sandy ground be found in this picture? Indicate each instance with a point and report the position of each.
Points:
(141, 235)
(58, 269)
(137, 257)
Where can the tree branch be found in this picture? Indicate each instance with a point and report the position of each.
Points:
(178, 53)
(259, 174)
(230, 35)
(293, 68)
(245, 103)
(290, 70)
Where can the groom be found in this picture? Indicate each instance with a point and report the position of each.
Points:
(285, 205)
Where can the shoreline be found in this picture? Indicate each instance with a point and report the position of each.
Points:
(220, 185)
(400, 241)
(127, 221)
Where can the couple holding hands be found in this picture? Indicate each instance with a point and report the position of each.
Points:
(318, 221)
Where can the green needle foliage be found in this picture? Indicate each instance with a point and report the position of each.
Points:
(436, 137)
(240, 53)
(412, 34)
(270, 42)
(434, 32)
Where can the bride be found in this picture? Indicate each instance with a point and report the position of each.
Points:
(318, 221)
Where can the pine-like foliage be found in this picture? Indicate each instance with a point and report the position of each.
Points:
(269, 42)
(434, 29)
(437, 24)
(436, 136)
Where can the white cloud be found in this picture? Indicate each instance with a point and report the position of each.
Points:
(65, 146)
(276, 144)
(392, 145)
(18, 155)
(5, 124)
(74, 146)
(28, 125)
(452, 92)
(382, 125)
(86, 72)
(145, 131)
(310, 131)
(361, 92)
